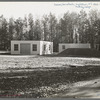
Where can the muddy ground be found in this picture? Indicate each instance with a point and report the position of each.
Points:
(39, 77)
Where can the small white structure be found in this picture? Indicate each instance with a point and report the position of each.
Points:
(31, 47)
(63, 46)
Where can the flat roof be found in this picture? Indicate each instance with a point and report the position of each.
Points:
(29, 40)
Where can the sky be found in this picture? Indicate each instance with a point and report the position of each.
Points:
(38, 9)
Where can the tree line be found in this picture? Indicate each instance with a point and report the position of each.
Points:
(72, 27)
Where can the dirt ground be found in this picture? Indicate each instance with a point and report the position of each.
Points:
(42, 76)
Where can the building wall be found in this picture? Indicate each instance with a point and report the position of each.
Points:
(47, 50)
(12, 47)
(30, 42)
(40, 47)
(73, 45)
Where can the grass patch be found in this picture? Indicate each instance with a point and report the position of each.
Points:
(39, 83)
(80, 52)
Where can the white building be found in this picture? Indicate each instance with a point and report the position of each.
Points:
(63, 46)
(31, 47)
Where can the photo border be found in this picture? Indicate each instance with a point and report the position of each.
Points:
(48, 1)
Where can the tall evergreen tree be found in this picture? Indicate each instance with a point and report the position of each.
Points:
(93, 16)
(45, 25)
(11, 31)
(3, 33)
(31, 27)
(19, 29)
(37, 30)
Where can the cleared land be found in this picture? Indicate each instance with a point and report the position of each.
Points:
(42, 76)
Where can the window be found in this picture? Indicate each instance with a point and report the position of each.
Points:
(44, 47)
(34, 47)
(63, 46)
(96, 47)
(15, 47)
(49, 47)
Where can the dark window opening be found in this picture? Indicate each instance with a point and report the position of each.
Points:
(63, 46)
(49, 47)
(34, 47)
(15, 47)
(44, 47)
